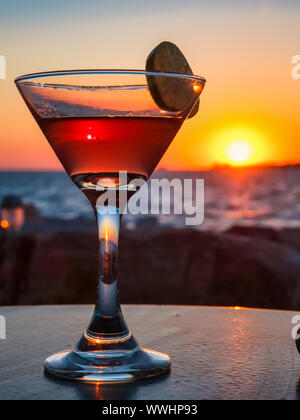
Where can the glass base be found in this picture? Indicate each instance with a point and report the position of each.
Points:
(96, 367)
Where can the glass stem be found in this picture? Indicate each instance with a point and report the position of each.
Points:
(108, 321)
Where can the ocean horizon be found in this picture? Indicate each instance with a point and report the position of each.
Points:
(266, 196)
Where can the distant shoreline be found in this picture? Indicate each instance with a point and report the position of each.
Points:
(208, 169)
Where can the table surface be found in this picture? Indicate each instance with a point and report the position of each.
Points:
(217, 353)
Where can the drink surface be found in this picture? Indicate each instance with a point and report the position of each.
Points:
(110, 144)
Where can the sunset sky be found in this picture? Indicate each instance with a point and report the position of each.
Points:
(249, 109)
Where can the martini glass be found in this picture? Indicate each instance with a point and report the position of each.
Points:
(100, 123)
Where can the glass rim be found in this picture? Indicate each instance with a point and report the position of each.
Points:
(39, 75)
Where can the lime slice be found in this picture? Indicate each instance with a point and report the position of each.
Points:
(170, 94)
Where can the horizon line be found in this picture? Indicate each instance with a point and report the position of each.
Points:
(204, 168)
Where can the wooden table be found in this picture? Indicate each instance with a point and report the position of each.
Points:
(217, 353)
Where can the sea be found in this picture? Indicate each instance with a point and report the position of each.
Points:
(267, 196)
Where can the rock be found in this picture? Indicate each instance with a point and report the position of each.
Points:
(167, 266)
(258, 232)
(291, 237)
(147, 222)
(192, 267)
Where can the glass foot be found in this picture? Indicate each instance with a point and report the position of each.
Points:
(108, 368)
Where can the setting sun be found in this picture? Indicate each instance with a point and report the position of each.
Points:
(240, 146)
(239, 152)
